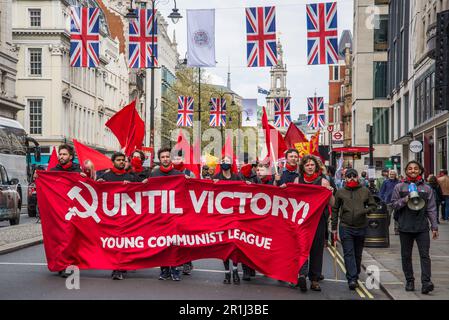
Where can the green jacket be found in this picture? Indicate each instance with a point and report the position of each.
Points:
(352, 207)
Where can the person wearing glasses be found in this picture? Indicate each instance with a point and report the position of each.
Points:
(352, 205)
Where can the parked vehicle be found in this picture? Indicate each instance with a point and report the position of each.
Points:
(32, 197)
(10, 201)
(15, 157)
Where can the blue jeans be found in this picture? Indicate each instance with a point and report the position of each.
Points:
(353, 241)
(446, 208)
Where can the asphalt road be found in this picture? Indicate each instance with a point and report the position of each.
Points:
(24, 275)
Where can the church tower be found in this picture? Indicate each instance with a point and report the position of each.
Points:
(278, 83)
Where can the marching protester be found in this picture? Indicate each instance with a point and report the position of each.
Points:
(65, 160)
(443, 181)
(264, 174)
(116, 174)
(65, 164)
(136, 160)
(178, 163)
(352, 205)
(310, 173)
(414, 224)
(247, 172)
(291, 169)
(387, 191)
(226, 175)
(205, 172)
(433, 183)
(166, 169)
(89, 169)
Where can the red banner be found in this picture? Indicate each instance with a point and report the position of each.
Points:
(173, 220)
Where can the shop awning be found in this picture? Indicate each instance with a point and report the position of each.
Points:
(362, 150)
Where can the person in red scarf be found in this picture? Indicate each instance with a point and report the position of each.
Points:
(291, 169)
(352, 205)
(178, 163)
(165, 169)
(115, 174)
(310, 172)
(414, 225)
(65, 160)
(66, 164)
(137, 169)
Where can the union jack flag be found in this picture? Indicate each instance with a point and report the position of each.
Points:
(217, 112)
(316, 112)
(141, 32)
(185, 112)
(84, 37)
(282, 117)
(261, 36)
(322, 33)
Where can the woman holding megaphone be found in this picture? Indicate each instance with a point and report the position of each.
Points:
(414, 204)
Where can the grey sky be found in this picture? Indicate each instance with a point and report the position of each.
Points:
(230, 38)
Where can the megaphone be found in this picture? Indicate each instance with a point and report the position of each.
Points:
(415, 202)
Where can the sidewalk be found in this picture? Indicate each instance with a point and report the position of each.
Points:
(20, 236)
(391, 276)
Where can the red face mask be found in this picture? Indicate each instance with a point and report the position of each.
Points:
(352, 184)
(180, 166)
(136, 164)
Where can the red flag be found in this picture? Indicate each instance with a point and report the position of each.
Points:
(293, 136)
(53, 161)
(314, 145)
(273, 139)
(100, 161)
(128, 127)
(189, 159)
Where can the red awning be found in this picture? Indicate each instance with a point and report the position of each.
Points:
(363, 150)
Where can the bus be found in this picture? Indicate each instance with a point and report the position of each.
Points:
(15, 154)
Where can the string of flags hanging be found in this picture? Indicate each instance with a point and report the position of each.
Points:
(322, 48)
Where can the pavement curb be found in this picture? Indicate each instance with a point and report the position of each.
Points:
(397, 292)
(11, 247)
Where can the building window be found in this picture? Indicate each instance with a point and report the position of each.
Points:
(35, 17)
(35, 107)
(336, 75)
(381, 125)
(381, 33)
(406, 113)
(35, 61)
(380, 79)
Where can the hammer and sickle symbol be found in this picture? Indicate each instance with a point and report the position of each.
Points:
(75, 193)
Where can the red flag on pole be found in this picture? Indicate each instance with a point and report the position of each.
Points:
(293, 136)
(275, 142)
(100, 161)
(128, 127)
(53, 161)
(314, 145)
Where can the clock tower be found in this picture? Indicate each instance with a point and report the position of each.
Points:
(278, 83)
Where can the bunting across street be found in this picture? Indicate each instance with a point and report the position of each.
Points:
(316, 117)
(217, 112)
(282, 117)
(185, 111)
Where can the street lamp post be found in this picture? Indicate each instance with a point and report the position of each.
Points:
(174, 16)
(369, 129)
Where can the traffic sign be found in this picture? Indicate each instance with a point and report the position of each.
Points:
(330, 128)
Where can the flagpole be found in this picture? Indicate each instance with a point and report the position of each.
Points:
(276, 170)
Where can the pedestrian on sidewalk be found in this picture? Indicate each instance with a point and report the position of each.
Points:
(166, 169)
(382, 178)
(352, 205)
(386, 192)
(227, 175)
(310, 169)
(443, 181)
(433, 183)
(414, 225)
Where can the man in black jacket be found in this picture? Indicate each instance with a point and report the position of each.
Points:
(352, 205)
(413, 225)
(115, 174)
(291, 171)
(65, 160)
(166, 169)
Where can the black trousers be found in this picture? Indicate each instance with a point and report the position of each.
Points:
(313, 267)
(423, 241)
(226, 264)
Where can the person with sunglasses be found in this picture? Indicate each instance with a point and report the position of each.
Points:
(352, 205)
